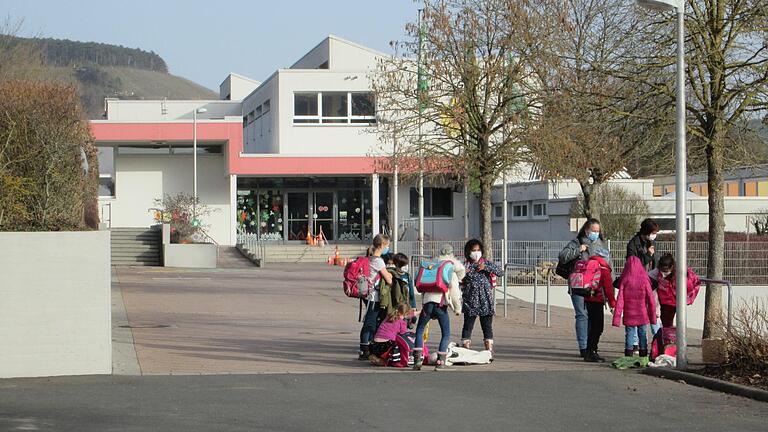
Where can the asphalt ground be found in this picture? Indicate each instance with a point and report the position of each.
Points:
(403, 400)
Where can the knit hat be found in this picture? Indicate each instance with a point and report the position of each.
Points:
(446, 249)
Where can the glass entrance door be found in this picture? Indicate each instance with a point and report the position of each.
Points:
(322, 214)
(298, 215)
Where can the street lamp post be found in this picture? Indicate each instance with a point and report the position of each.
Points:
(681, 265)
(194, 158)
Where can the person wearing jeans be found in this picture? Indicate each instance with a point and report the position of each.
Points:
(635, 306)
(429, 311)
(640, 335)
(582, 324)
(586, 244)
(435, 305)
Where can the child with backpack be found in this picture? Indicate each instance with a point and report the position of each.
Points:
(596, 290)
(637, 305)
(398, 292)
(664, 277)
(384, 340)
(376, 271)
(478, 294)
(435, 304)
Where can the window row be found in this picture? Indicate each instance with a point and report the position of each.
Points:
(521, 210)
(334, 108)
(256, 113)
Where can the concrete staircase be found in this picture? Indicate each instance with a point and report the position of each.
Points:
(136, 246)
(282, 253)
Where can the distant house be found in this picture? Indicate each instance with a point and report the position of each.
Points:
(540, 210)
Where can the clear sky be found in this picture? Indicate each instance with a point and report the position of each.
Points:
(203, 41)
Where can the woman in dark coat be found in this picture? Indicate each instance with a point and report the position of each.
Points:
(643, 245)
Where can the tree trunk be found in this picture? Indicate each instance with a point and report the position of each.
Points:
(713, 307)
(486, 233)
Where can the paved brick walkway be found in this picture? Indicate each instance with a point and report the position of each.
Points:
(295, 319)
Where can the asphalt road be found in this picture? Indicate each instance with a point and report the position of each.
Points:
(603, 400)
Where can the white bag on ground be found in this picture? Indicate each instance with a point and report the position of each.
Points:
(461, 355)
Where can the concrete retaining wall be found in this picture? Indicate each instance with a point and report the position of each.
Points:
(55, 306)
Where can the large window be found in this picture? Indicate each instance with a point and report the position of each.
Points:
(106, 171)
(334, 108)
(520, 211)
(438, 202)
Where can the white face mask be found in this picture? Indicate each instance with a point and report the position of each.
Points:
(652, 237)
(665, 274)
(476, 255)
(404, 269)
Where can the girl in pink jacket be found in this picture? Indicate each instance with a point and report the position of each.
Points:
(637, 304)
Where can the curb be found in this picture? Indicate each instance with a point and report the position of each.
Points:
(710, 383)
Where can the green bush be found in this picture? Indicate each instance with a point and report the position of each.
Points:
(48, 163)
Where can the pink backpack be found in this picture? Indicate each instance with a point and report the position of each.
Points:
(584, 280)
(356, 278)
(664, 342)
(434, 276)
(401, 353)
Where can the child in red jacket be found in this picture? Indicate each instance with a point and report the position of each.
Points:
(665, 277)
(595, 304)
(636, 302)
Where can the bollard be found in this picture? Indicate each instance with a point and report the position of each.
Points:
(504, 288)
(535, 289)
(549, 280)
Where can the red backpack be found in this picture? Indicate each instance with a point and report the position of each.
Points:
(664, 342)
(356, 278)
(584, 280)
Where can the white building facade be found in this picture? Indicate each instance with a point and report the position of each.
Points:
(281, 159)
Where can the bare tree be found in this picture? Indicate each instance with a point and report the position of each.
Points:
(727, 85)
(469, 114)
(593, 125)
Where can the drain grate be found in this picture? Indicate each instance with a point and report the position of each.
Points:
(144, 326)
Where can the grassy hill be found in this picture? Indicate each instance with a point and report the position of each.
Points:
(98, 70)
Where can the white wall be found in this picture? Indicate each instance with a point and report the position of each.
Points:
(55, 307)
(163, 110)
(330, 140)
(315, 57)
(142, 178)
(237, 87)
(348, 56)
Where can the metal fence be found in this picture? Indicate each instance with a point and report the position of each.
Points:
(254, 246)
(746, 263)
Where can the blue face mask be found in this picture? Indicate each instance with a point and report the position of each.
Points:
(592, 236)
(385, 250)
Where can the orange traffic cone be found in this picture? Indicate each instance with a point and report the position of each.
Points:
(310, 237)
(337, 257)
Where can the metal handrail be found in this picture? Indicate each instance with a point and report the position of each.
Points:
(535, 269)
(730, 297)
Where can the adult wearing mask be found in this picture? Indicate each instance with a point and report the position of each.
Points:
(643, 245)
(587, 243)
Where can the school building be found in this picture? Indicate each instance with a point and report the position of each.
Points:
(278, 158)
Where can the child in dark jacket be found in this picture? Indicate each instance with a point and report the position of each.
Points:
(594, 305)
(637, 304)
